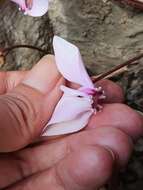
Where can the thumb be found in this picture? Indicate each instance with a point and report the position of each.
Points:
(26, 109)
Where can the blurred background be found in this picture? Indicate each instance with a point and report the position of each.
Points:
(107, 33)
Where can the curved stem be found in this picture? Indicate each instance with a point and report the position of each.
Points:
(6, 51)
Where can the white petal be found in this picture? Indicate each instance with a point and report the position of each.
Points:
(71, 114)
(39, 8)
(69, 126)
(70, 107)
(69, 62)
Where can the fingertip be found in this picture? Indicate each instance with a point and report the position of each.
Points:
(119, 116)
(47, 59)
(119, 142)
(90, 167)
(114, 92)
(44, 75)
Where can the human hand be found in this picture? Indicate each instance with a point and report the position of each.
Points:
(82, 161)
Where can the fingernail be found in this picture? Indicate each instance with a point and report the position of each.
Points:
(114, 156)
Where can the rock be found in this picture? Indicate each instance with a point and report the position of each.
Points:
(107, 33)
(18, 29)
(134, 92)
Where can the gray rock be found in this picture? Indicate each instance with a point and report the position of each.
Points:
(18, 29)
(106, 32)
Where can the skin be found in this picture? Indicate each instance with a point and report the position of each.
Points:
(82, 161)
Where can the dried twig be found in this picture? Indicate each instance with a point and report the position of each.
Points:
(127, 63)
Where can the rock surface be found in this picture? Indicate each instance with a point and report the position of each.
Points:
(107, 33)
(18, 29)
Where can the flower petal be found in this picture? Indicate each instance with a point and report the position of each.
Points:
(75, 118)
(68, 127)
(69, 62)
(39, 8)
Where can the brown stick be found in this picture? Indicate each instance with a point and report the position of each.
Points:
(127, 63)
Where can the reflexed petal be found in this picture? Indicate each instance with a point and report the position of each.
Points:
(74, 109)
(39, 7)
(69, 62)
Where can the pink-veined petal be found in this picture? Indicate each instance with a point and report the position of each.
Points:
(39, 8)
(69, 62)
(71, 113)
(76, 105)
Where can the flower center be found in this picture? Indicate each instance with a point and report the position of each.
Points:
(98, 95)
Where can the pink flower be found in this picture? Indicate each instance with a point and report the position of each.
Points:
(33, 8)
(76, 106)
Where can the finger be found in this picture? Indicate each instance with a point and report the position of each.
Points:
(9, 80)
(114, 93)
(27, 108)
(81, 170)
(29, 161)
(108, 137)
(33, 160)
(119, 116)
(2, 82)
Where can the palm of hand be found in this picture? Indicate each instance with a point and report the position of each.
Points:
(81, 161)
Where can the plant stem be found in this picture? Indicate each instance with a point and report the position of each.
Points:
(6, 51)
(127, 63)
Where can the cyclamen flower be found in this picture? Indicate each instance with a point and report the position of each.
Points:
(33, 8)
(76, 106)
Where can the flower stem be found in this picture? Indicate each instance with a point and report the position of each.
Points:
(116, 68)
(6, 51)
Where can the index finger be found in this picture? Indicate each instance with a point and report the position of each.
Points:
(113, 92)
